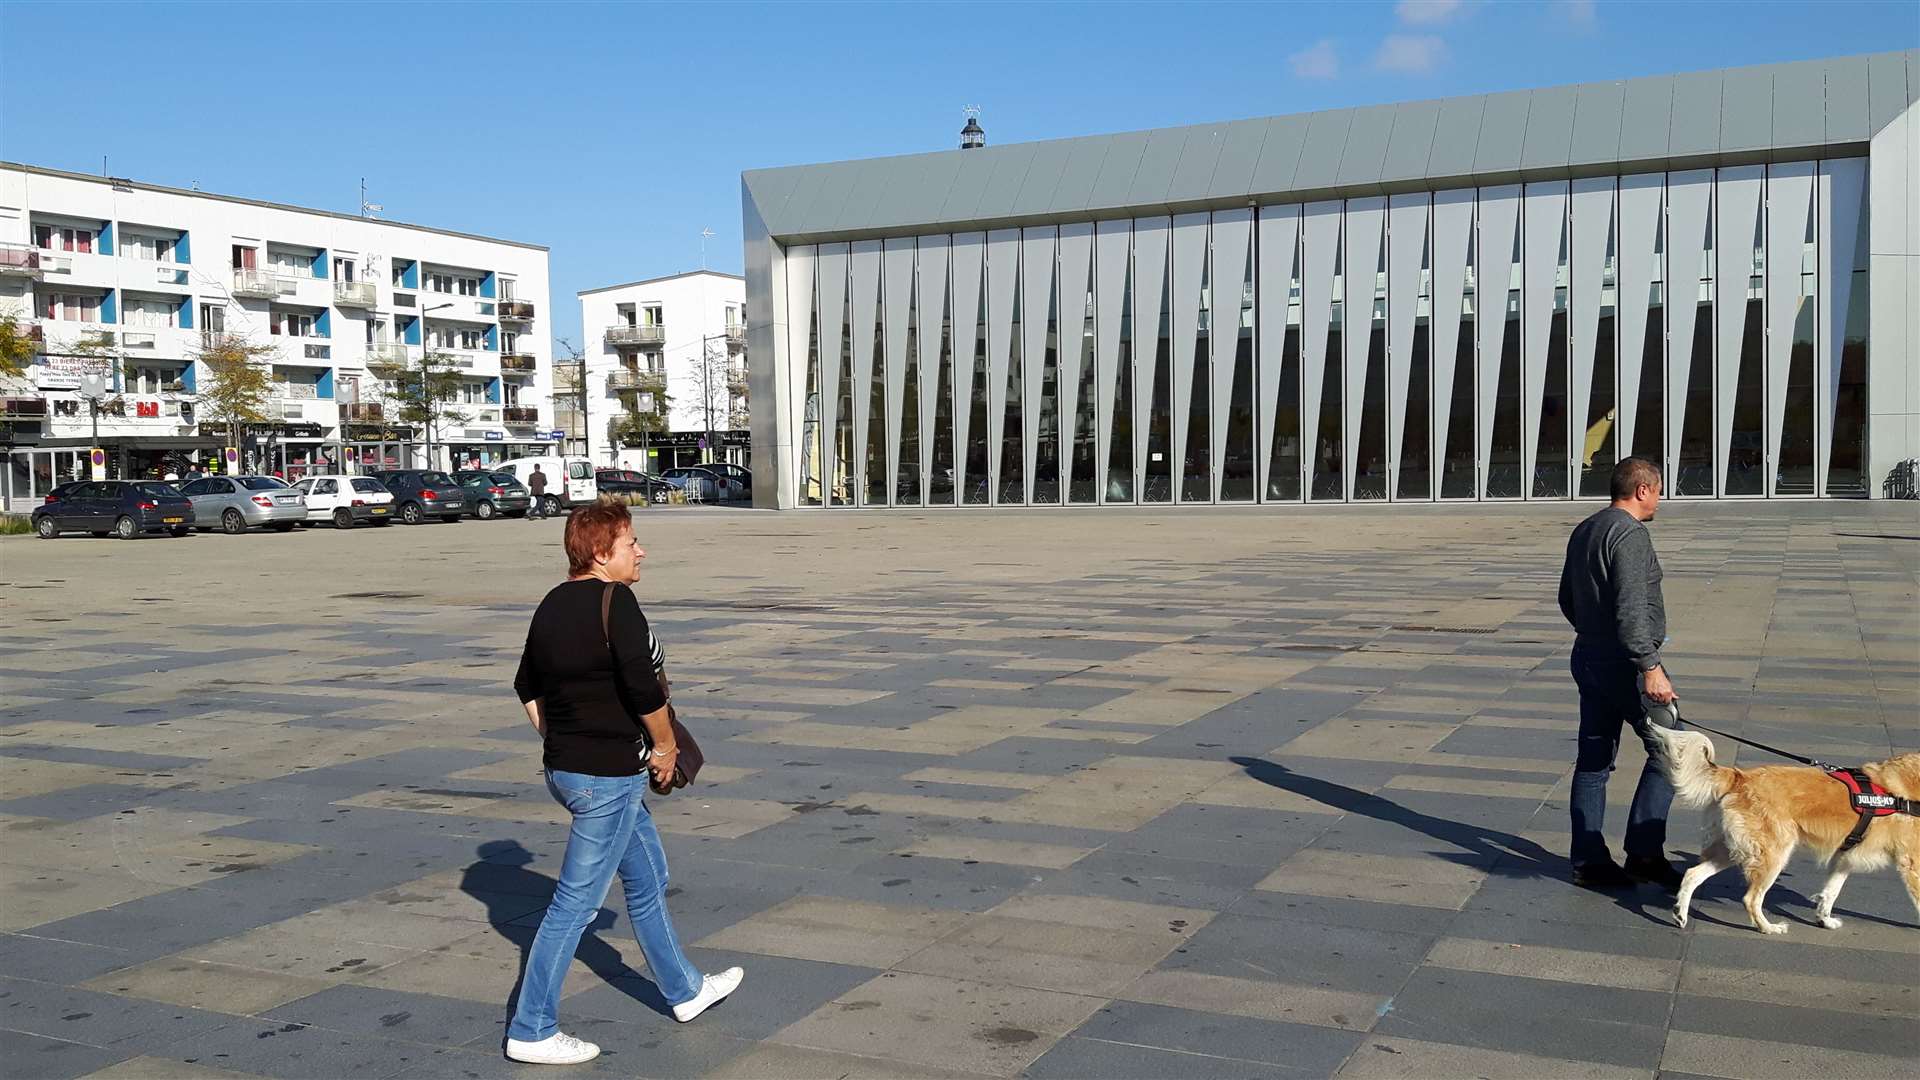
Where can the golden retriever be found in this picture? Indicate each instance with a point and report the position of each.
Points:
(1764, 813)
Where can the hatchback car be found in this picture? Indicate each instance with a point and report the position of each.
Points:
(491, 493)
(704, 485)
(625, 482)
(233, 504)
(124, 508)
(423, 493)
(346, 501)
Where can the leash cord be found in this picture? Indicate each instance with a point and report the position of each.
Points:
(1815, 762)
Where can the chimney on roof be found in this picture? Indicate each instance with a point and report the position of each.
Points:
(973, 136)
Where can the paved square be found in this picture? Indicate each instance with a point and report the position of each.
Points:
(1212, 793)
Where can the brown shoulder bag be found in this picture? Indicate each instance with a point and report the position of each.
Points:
(687, 765)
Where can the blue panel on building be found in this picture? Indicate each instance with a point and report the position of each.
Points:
(183, 250)
(493, 339)
(320, 263)
(324, 324)
(486, 285)
(410, 277)
(189, 379)
(104, 242)
(323, 386)
(493, 390)
(410, 330)
(186, 313)
(108, 309)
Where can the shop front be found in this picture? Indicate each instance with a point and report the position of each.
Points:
(370, 447)
(34, 469)
(492, 448)
(681, 449)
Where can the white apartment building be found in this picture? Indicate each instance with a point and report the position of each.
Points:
(671, 348)
(345, 302)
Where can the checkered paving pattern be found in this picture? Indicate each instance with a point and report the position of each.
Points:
(1202, 794)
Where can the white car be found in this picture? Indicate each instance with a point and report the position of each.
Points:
(570, 480)
(346, 501)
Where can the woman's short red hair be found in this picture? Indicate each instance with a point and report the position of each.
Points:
(592, 532)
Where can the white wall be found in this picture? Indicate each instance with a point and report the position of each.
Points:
(1893, 345)
(693, 307)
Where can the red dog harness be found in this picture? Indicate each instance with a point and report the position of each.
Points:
(1870, 801)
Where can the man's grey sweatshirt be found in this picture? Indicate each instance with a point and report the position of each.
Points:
(1610, 589)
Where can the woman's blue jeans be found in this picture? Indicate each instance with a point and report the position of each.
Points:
(612, 832)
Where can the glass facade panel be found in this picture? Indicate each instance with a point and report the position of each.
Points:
(1158, 484)
(1046, 471)
(934, 310)
(1600, 434)
(1238, 475)
(1370, 460)
(1503, 459)
(1747, 449)
(977, 482)
(1120, 439)
(1196, 480)
(812, 443)
(1011, 486)
(1082, 481)
(907, 477)
(874, 465)
(1550, 451)
(1284, 464)
(1797, 447)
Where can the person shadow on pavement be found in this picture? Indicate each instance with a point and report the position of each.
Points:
(503, 879)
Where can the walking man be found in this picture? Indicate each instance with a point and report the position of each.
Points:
(537, 487)
(1610, 592)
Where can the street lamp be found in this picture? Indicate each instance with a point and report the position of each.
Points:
(425, 397)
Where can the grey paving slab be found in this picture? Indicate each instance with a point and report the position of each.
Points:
(1302, 1049)
(1306, 954)
(36, 1057)
(1077, 1058)
(51, 960)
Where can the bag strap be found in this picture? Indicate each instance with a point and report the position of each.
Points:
(606, 613)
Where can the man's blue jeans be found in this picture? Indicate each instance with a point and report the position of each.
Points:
(1610, 699)
(612, 831)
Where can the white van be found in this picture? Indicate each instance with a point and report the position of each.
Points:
(569, 479)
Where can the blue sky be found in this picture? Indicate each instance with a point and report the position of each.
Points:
(614, 132)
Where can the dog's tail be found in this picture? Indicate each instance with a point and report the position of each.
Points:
(1687, 757)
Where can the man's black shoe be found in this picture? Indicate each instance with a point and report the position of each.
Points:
(1654, 869)
(1602, 874)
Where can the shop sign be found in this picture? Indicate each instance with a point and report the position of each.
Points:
(495, 436)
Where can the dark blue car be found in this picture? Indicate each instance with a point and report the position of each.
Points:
(123, 508)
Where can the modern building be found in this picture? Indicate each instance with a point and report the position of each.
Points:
(129, 282)
(1478, 298)
(666, 372)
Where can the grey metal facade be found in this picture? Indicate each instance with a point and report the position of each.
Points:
(1475, 298)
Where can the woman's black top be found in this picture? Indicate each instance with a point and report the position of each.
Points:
(592, 716)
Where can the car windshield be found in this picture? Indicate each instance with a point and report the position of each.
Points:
(260, 483)
(361, 483)
(167, 491)
(436, 478)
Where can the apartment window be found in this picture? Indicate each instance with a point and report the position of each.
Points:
(651, 316)
(146, 248)
(470, 339)
(343, 269)
(399, 273)
(506, 288)
(150, 314)
(149, 380)
(63, 238)
(376, 331)
(213, 319)
(510, 393)
(290, 324)
(733, 315)
(290, 263)
(468, 286)
(472, 392)
(445, 337)
(71, 307)
(653, 363)
(509, 342)
(245, 258)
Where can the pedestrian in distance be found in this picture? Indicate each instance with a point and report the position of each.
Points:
(1610, 592)
(537, 487)
(592, 694)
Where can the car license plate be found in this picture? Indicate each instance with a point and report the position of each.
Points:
(379, 509)
(172, 520)
(286, 500)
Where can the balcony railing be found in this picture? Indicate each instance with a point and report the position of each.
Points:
(520, 362)
(19, 260)
(138, 339)
(626, 379)
(521, 415)
(636, 335)
(295, 391)
(737, 380)
(736, 333)
(166, 274)
(388, 354)
(353, 293)
(318, 352)
(363, 412)
(261, 283)
(516, 310)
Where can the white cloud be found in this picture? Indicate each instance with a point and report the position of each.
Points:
(1410, 54)
(1428, 12)
(1317, 61)
(1584, 14)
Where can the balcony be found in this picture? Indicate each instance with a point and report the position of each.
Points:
(737, 379)
(627, 380)
(354, 294)
(522, 363)
(262, 284)
(141, 340)
(619, 336)
(363, 412)
(169, 274)
(521, 415)
(516, 310)
(295, 391)
(736, 333)
(388, 356)
(19, 260)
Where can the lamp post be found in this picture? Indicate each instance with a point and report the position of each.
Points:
(426, 398)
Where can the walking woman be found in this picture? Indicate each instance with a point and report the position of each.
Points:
(583, 692)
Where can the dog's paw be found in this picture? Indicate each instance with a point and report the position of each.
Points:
(1773, 928)
(1680, 917)
(1830, 922)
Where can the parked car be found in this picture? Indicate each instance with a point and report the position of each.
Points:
(346, 501)
(424, 493)
(124, 508)
(624, 482)
(732, 472)
(234, 504)
(569, 479)
(704, 485)
(492, 493)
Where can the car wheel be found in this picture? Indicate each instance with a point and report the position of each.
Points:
(484, 511)
(46, 528)
(125, 529)
(180, 530)
(343, 518)
(232, 523)
(552, 503)
(283, 526)
(410, 513)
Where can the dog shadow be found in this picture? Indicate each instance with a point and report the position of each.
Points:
(503, 872)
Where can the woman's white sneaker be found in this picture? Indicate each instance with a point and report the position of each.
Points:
(712, 989)
(558, 1048)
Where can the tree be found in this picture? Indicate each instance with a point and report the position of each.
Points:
(426, 395)
(235, 382)
(17, 346)
(635, 425)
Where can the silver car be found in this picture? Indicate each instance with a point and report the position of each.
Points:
(233, 504)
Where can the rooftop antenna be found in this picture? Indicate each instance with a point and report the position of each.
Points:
(704, 234)
(367, 209)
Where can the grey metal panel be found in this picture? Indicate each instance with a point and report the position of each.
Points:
(1189, 262)
(1586, 273)
(832, 275)
(1696, 115)
(997, 197)
(1736, 217)
(1366, 224)
(1039, 270)
(1503, 133)
(1545, 209)
(1239, 155)
(806, 190)
(1157, 162)
(1079, 174)
(1499, 222)
(1597, 109)
(1232, 243)
(1913, 76)
(971, 171)
(1117, 169)
(865, 191)
(1746, 109)
(1150, 242)
(1886, 89)
(1410, 146)
(1321, 242)
(801, 300)
(771, 188)
(1320, 155)
(1452, 229)
(969, 274)
(1279, 240)
(1646, 119)
(1550, 120)
(1112, 253)
(1456, 137)
(1076, 266)
(1193, 176)
(866, 313)
(918, 190)
(897, 301)
(1848, 111)
(1789, 202)
(831, 201)
(1044, 171)
(1406, 244)
(1003, 275)
(1366, 150)
(930, 311)
(1843, 189)
(1639, 261)
(1688, 197)
(1799, 94)
(1280, 151)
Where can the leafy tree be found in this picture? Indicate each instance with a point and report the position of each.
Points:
(235, 383)
(17, 346)
(426, 395)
